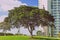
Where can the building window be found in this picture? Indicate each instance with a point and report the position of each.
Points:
(53, 6)
(54, 0)
(58, 0)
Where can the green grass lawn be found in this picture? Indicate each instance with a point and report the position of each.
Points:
(14, 38)
(26, 38)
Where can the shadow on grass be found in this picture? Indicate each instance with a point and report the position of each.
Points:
(44, 38)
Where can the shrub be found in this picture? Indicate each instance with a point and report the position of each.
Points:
(39, 33)
(2, 34)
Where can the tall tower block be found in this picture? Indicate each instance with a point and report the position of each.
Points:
(42, 3)
(53, 6)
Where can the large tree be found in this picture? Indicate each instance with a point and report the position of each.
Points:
(29, 17)
(5, 25)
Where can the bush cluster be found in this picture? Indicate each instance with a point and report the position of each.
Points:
(46, 38)
(2, 34)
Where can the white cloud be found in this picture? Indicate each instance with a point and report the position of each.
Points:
(6, 5)
(2, 18)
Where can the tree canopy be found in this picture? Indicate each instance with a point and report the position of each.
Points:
(29, 17)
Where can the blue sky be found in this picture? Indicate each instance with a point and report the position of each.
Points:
(30, 2)
(6, 5)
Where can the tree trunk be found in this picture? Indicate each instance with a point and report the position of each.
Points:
(31, 34)
(51, 31)
(18, 31)
(4, 32)
(31, 31)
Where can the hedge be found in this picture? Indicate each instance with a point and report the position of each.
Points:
(46, 38)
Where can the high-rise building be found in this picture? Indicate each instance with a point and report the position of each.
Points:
(42, 3)
(53, 6)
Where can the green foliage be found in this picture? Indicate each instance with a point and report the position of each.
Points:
(7, 34)
(5, 26)
(29, 17)
(39, 33)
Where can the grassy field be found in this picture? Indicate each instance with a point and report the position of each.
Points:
(14, 38)
(26, 38)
